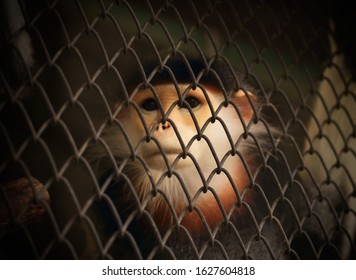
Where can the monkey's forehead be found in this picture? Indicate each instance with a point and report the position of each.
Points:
(168, 91)
(181, 69)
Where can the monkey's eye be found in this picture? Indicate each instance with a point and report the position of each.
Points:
(192, 101)
(149, 104)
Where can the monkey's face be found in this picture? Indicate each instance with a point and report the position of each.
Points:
(178, 127)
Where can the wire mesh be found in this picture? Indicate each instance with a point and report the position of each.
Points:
(177, 130)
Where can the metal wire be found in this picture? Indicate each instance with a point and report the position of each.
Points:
(74, 181)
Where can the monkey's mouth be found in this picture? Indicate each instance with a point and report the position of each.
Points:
(173, 157)
(166, 152)
(157, 157)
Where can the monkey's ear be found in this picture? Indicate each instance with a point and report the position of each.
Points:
(245, 101)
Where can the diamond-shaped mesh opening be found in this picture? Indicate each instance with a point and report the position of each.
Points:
(177, 130)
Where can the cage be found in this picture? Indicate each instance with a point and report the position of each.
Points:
(177, 129)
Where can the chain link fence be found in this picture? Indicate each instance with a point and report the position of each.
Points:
(177, 130)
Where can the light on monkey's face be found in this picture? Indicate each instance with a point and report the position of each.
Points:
(179, 131)
(165, 131)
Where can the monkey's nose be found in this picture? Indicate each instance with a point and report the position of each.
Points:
(163, 126)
